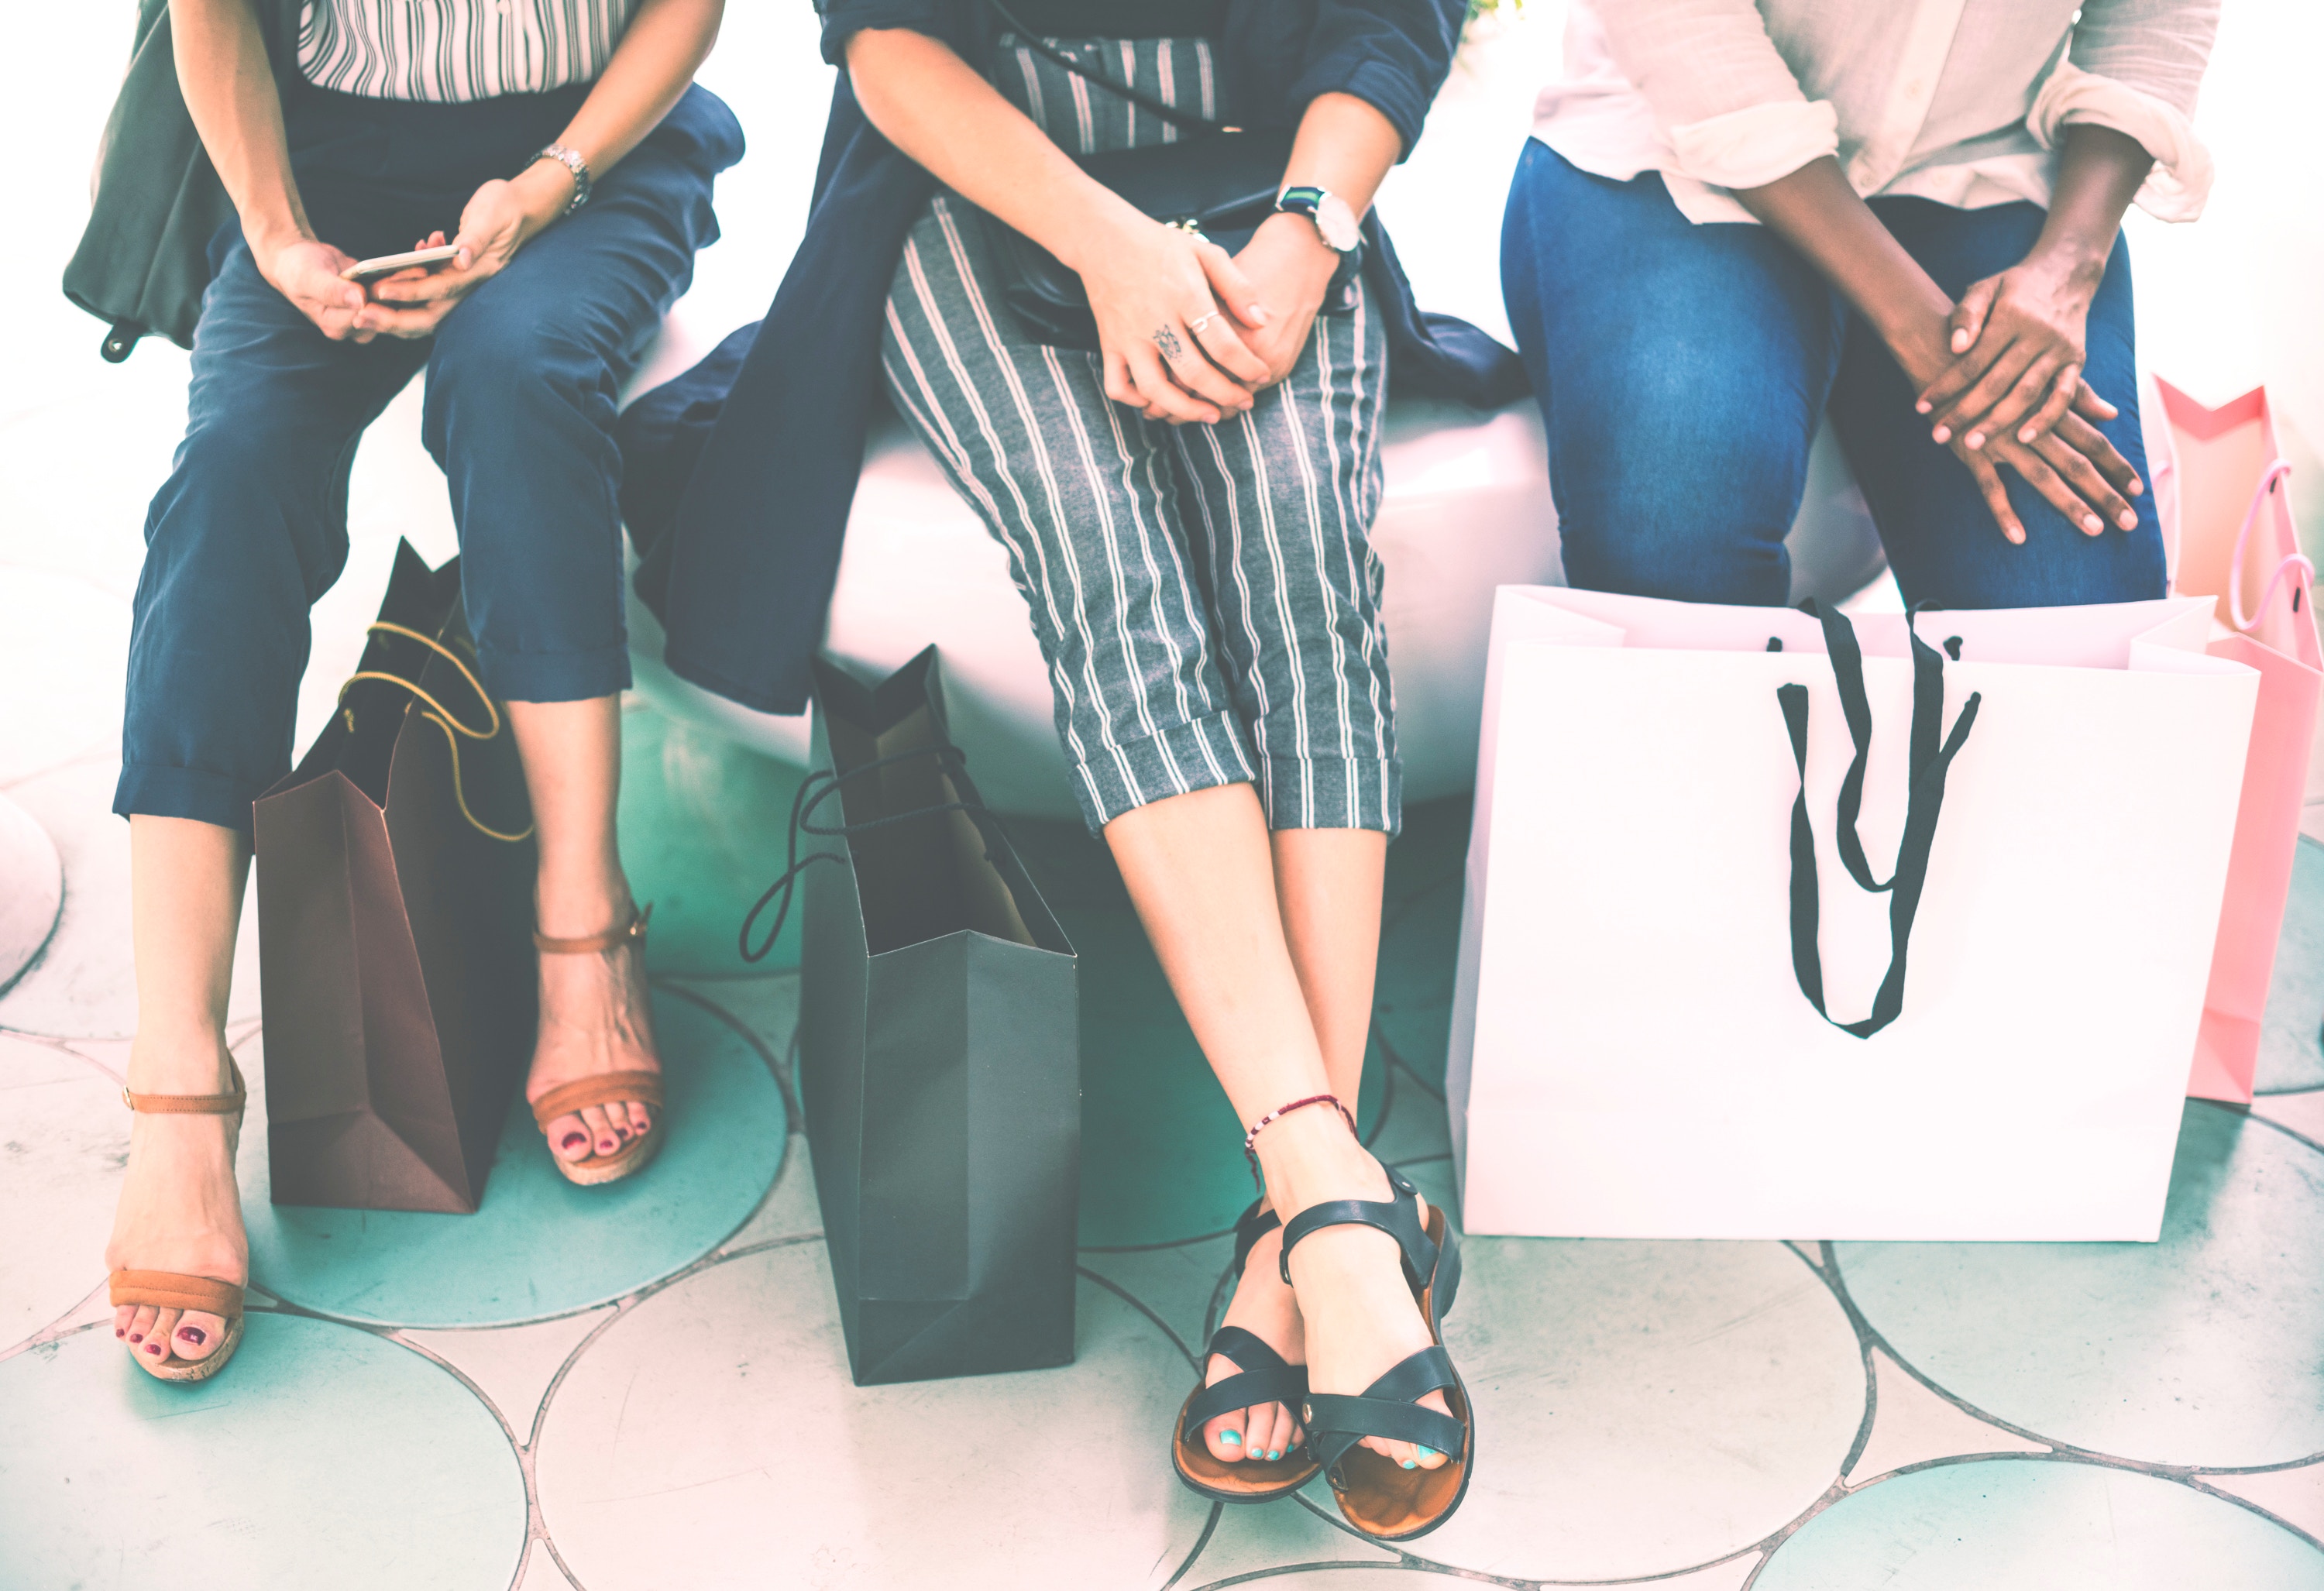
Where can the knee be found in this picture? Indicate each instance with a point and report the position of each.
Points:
(1660, 493)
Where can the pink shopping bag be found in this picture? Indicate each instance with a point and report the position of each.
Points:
(2235, 540)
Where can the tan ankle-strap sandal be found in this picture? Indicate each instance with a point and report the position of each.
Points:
(172, 1290)
(608, 1088)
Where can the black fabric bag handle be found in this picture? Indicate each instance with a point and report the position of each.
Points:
(812, 791)
(1143, 101)
(1928, 764)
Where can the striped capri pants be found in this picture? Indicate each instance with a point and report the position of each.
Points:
(1206, 597)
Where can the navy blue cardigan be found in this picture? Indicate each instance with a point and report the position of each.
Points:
(738, 476)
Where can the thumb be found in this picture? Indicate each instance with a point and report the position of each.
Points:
(1967, 319)
(1234, 290)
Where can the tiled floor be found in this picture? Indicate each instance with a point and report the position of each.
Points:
(644, 1386)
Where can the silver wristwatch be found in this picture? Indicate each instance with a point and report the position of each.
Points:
(570, 159)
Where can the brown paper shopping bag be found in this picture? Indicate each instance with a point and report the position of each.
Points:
(396, 870)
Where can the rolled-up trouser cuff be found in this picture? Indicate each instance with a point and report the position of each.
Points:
(157, 791)
(1200, 754)
(555, 676)
(1333, 792)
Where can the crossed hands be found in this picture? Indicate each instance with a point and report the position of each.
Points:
(412, 303)
(2012, 393)
(1190, 334)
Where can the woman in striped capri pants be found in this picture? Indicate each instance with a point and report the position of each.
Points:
(1185, 513)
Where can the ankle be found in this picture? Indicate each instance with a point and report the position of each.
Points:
(179, 1058)
(574, 903)
(1311, 1156)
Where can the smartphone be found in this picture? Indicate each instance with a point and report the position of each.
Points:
(389, 264)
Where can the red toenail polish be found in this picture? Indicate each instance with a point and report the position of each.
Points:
(192, 1334)
(575, 1140)
(153, 1349)
(117, 1331)
(137, 1336)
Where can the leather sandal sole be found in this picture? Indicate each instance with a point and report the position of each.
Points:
(626, 1162)
(1250, 1480)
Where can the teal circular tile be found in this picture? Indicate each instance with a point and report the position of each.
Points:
(2038, 1525)
(2200, 1349)
(322, 1454)
(704, 827)
(63, 1142)
(539, 1246)
(2292, 1053)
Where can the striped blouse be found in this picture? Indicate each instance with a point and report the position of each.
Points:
(456, 50)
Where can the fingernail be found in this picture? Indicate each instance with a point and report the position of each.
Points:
(1233, 1437)
(2093, 524)
(1921, 406)
(1977, 439)
(2129, 521)
(2017, 533)
(1942, 434)
(2026, 434)
(1258, 315)
(575, 1140)
(193, 1334)
(2137, 487)
(1408, 1464)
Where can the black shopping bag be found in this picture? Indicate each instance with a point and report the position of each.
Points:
(395, 925)
(939, 1051)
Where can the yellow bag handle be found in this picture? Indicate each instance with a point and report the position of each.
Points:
(441, 716)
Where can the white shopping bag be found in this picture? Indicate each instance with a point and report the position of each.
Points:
(1632, 1052)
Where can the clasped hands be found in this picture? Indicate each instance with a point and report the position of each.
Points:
(497, 221)
(1190, 334)
(2008, 390)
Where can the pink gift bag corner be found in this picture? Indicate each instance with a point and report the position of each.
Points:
(2218, 477)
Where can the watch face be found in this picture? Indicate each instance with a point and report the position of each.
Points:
(1337, 223)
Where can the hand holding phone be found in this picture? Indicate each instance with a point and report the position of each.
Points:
(382, 265)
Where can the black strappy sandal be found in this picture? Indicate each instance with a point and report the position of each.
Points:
(1266, 1378)
(1384, 1500)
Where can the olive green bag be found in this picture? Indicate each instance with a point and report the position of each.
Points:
(144, 262)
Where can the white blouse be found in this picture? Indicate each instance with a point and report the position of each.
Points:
(456, 50)
(1959, 101)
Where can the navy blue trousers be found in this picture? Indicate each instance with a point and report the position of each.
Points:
(1681, 369)
(523, 380)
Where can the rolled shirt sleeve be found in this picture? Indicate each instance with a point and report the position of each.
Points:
(2135, 66)
(1394, 55)
(1720, 90)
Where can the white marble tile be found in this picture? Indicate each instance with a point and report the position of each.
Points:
(1731, 1576)
(719, 1414)
(83, 984)
(1180, 1284)
(2302, 1113)
(1643, 1407)
(2311, 816)
(2295, 1496)
(1911, 1425)
(1254, 1538)
(64, 1139)
(512, 1365)
(31, 889)
(1367, 1577)
(64, 644)
(541, 1572)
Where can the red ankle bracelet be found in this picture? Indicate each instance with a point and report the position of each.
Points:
(1277, 1113)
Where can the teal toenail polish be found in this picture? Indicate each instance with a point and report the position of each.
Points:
(1273, 1454)
(1232, 1436)
(1408, 1464)
(1428, 1453)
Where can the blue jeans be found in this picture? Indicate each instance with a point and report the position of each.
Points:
(1681, 371)
(522, 378)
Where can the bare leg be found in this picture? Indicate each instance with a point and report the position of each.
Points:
(179, 1210)
(594, 1012)
(1202, 869)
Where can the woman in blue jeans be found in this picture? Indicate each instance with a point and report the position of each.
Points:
(1733, 219)
(560, 146)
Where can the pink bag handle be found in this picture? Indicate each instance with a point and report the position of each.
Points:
(2305, 577)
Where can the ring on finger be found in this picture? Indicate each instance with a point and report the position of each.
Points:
(1197, 326)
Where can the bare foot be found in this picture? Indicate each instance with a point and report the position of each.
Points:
(1267, 1310)
(1360, 1317)
(180, 1209)
(594, 1019)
